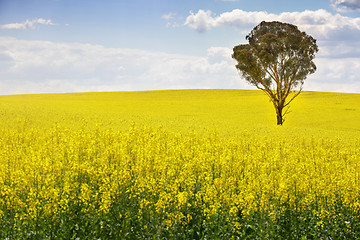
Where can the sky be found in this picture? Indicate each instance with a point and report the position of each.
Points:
(60, 46)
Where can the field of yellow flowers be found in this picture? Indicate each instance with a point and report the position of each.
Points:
(184, 164)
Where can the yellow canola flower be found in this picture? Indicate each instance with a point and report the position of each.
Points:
(47, 169)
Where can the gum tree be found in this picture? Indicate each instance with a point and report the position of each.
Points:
(277, 60)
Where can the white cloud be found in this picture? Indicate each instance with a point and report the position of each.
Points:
(339, 49)
(202, 21)
(28, 24)
(44, 67)
(346, 5)
(168, 16)
(171, 19)
(320, 23)
(335, 74)
(41, 66)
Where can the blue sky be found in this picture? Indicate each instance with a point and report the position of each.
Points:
(115, 45)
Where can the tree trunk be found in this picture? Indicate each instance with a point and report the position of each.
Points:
(279, 115)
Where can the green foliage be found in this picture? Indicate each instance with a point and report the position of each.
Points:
(277, 59)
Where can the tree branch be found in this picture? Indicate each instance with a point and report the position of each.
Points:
(294, 96)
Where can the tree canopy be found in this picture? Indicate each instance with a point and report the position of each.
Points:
(277, 60)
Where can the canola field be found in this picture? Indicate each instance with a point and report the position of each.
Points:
(180, 164)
